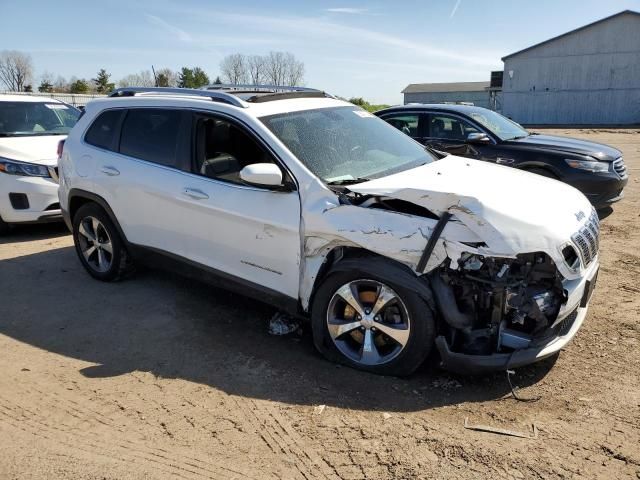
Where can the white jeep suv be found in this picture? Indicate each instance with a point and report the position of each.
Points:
(320, 208)
(30, 130)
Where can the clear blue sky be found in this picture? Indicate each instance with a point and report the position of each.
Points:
(350, 48)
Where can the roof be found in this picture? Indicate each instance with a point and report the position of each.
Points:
(259, 109)
(26, 98)
(606, 19)
(445, 107)
(446, 87)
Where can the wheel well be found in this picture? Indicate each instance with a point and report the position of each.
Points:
(81, 198)
(539, 169)
(350, 254)
(335, 255)
(75, 203)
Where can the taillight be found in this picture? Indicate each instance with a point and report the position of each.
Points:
(60, 147)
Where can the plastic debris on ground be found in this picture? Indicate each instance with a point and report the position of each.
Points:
(283, 324)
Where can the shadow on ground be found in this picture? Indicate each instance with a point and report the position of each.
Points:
(31, 232)
(178, 328)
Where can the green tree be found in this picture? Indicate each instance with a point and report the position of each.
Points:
(102, 82)
(361, 102)
(217, 81)
(79, 86)
(28, 88)
(192, 78)
(162, 80)
(45, 86)
(200, 79)
(185, 78)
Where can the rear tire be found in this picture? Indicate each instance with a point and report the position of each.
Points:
(400, 334)
(98, 244)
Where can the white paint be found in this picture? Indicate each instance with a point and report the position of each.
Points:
(280, 240)
(41, 150)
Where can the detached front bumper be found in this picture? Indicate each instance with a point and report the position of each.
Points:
(560, 334)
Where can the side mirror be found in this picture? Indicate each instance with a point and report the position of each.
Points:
(262, 174)
(478, 138)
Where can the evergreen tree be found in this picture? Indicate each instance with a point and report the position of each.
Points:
(102, 82)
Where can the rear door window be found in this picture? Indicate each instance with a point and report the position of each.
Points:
(102, 132)
(153, 134)
(407, 123)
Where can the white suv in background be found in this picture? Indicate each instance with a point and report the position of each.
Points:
(30, 130)
(322, 209)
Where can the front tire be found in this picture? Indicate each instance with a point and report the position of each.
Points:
(98, 244)
(371, 324)
(4, 227)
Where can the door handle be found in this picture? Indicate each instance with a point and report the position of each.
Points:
(111, 171)
(195, 194)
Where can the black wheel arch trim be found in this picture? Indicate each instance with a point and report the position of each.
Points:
(526, 166)
(92, 197)
(393, 271)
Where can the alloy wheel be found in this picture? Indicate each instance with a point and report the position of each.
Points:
(368, 322)
(95, 244)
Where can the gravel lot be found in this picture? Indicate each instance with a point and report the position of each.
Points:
(161, 377)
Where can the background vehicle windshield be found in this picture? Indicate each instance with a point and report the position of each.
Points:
(36, 118)
(346, 143)
(501, 126)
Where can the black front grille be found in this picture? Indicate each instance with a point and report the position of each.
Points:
(620, 168)
(587, 239)
(567, 323)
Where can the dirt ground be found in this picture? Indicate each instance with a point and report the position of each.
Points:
(161, 377)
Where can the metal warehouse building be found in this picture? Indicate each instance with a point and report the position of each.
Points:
(590, 75)
(473, 92)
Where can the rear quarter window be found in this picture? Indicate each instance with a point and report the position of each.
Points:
(102, 132)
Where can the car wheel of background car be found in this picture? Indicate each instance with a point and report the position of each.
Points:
(4, 227)
(543, 171)
(371, 324)
(98, 244)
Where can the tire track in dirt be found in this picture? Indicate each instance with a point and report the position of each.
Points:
(35, 424)
(281, 437)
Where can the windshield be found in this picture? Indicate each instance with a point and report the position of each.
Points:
(36, 118)
(501, 126)
(346, 144)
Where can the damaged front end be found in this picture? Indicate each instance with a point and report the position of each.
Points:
(511, 278)
(495, 307)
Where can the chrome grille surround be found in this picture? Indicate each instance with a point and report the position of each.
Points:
(587, 239)
(620, 168)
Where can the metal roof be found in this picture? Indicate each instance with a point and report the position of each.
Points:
(446, 87)
(624, 12)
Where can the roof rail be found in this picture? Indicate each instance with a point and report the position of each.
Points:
(213, 95)
(251, 87)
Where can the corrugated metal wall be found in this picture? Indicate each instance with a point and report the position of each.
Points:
(588, 77)
(480, 99)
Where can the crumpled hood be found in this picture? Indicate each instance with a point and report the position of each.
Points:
(34, 149)
(570, 145)
(511, 210)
